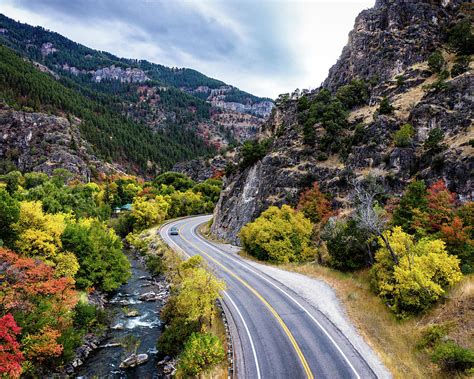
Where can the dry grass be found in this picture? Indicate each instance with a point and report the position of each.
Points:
(333, 161)
(458, 312)
(394, 340)
(366, 114)
(461, 141)
(404, 102)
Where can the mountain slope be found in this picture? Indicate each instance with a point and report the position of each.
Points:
(112, 135)
(382, 111)
(150, 117)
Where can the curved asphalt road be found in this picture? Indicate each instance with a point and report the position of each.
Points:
(276, 333)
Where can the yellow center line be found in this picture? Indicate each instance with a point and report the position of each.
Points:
(306, 367)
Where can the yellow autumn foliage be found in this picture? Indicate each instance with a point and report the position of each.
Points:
(197, 294)
(146, 213)
(39, 236)
(423, 274)
(279, 235)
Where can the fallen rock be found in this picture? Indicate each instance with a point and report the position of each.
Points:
(118, 326)
(134, 360)
(132, 313)
(149, 296)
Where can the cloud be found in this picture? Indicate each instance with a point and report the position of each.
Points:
(264, 47)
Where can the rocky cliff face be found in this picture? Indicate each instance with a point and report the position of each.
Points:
(202, 169)
(41, 142)
(394, 38)
(391, 37)
(127, 75)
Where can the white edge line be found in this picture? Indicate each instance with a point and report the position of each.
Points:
(248, 334)
(287, 294)
(231, 301)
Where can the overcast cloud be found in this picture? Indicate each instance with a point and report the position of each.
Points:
(263, 47)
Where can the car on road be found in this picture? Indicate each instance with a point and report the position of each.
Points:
(174, 231)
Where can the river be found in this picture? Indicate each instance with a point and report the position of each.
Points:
(145, 329)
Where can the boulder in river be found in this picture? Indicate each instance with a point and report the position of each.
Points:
(149, 296)
(132, 313)
(134, 360)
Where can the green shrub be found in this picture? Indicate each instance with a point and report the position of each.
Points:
(201, 352)
(209, 189)
(84, 315)
(452, 357)
(434, 142)
(385, 107)
(347, 245)
(9, 214)
(123, 224)
(155, 264)
(436, 62)
(180, 182)
(432, 335)
(329, 111)
(88, 318)
(303, 103)
(460, 37)
(309, 133)
(359, 133)
(99, 252)
(172, 340)
(400, 80)
(230, 169)
(322, 157)
(279, 235)
(461, 65)
(354, 94)
(252, 151)
(70, 339)
(413, 201)
(403, 136)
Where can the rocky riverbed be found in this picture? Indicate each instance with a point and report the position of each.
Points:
(135, 310)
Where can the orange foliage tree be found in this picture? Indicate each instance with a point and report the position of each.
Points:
(441, 205)
(315, 205)
(40, 303)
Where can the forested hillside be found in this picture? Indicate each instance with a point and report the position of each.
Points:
(141, 116)
(113, 136)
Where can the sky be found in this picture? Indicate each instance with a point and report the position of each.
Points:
(265, 47)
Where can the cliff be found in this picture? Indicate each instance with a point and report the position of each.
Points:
(387, 51)
(40, 142)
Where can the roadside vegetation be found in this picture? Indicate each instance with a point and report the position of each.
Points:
(193, 330)
(61, 239)
(405, 258)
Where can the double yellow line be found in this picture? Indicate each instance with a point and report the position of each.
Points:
(306, 367)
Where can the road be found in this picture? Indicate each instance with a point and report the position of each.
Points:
(276, 333)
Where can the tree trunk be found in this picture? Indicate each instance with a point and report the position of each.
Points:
(389, 248)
